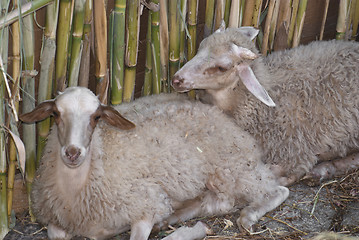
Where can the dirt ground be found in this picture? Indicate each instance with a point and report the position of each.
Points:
(330, 206)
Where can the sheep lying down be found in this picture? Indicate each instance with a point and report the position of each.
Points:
(310, 94)
(100, 175)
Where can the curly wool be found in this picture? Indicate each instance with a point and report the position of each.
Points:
(144, 172)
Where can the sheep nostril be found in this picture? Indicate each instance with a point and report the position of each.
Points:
(176, 81)
(72, 153)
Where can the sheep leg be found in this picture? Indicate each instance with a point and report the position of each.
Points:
(252, 213)
(54, 232)
(141, 230)
(198, 231)
(329, 169)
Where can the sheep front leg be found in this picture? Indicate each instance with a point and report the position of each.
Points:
(141, 230)
(252, 213)
(329, 169)
(54, 232)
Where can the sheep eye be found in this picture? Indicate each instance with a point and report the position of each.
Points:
(55, 114)
(97, 117)
(215, 69)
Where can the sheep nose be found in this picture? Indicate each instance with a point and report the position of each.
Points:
(177, 81)
(72, 153)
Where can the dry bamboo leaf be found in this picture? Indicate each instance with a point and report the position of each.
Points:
(20, 150)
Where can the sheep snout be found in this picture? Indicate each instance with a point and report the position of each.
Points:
(178, 84)
(73, 156)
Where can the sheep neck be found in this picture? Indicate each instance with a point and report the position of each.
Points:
(72, 180)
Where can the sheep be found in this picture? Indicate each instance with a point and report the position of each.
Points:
(310, 93)
(100, 175)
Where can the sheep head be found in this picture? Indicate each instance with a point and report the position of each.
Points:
(222, 60)
(76, 112)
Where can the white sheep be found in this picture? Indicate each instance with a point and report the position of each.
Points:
(183, 159)
(314, 90)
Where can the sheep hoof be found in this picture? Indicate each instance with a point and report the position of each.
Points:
(246, 221)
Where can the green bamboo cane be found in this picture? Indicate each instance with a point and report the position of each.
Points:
(208, 22)
(85, 58)
(324, 19)
(295, 5)
(147, 84)
(47, 60)
(299, 22)
(342, 18)
(192, 30)
(174, 24)
(248, 12)
(241, 12)
(273, 24)
(26, 9)
(164, 45)
(355, 21)
(155, 46)
(118, 49)
(62, 43)
(76, 42)
(227, 10)
(3, 183)
(256, 13)
(183, 32)
(267, 27)
(219, 14)
(16, 69)
(100, 26)
(132, 31)
(28, 103)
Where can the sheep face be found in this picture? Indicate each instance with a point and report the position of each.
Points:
(222, 60)
(76, 112)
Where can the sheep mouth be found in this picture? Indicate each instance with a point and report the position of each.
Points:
(72, 164)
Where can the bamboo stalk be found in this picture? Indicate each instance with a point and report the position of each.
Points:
(342, 17)
(118, 49)
(324, 19)
(355, 21)
(26, 9)
(85, 58)
(350, 18)
(3, 161)
(76, 42)
(219, 14)
(155, 47)
(47, 60)
(299, 22)
(132, 29)
(28, 104)
(241, 12)
(147, 84)
(182, 47)
(227, 10)
(192, 30)
(100, 26)
(234, 14)
(256, 13)
(16, 68)
(164, 44)
(273, 24)
(208, 23)
(267, 27)
(62, 43)
(174, 46)
(248, 13)
(295, 5)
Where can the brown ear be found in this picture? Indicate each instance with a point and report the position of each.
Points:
(42, 111)
(114, 118)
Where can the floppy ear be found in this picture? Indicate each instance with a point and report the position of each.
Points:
(114, 118)
(250, 32)
(250, 81)
(243, 52)
(42, 111)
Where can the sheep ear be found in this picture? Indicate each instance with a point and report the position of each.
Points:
(250, 81)
(222, 27)
(114, 118)
(42, 111)
(243, 52)
(250, 32)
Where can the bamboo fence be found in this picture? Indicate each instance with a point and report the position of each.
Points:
(74, 27)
